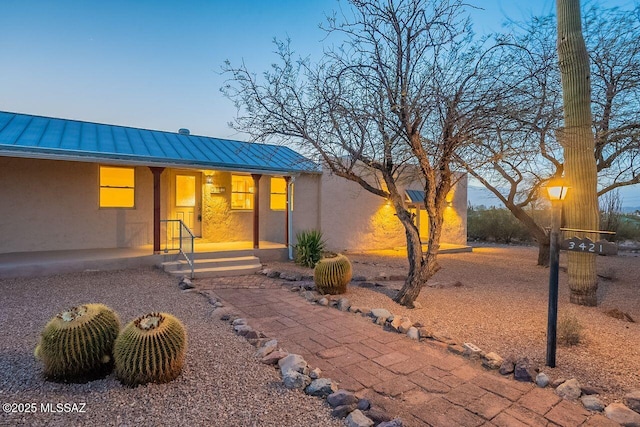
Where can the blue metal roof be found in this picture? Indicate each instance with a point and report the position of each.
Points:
(23, 135)
(415, 196)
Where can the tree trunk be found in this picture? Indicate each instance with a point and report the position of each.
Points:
(578, 141)
(418, 271)
(544, 251)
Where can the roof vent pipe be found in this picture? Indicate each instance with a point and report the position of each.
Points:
(183, 131)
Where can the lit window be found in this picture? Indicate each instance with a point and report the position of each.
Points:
(241, 192)
(117, 187)
(278, 194)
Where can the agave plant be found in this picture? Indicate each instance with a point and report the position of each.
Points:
(309, 247)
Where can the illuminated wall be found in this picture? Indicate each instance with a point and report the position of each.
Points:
(355, 219)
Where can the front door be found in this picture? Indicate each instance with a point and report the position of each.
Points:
(186, 199)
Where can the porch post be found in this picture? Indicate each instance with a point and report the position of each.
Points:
(256, 210)
(287, 179)
(156, 207)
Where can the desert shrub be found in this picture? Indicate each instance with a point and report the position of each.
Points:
(569, 330)
(495, 224)
(309, 247)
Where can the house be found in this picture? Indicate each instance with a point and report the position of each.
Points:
(79, 190)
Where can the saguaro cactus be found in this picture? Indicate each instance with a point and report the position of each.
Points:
(578, 140)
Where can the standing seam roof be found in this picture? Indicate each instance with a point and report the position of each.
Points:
(23, 135)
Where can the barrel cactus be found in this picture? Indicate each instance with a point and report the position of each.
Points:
(150, 349)
(77, 344)
(332, 275)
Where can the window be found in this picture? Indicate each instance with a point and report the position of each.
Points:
(117, 187)
(278, 194)
(241, 192)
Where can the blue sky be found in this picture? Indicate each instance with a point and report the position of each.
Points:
(156, 64)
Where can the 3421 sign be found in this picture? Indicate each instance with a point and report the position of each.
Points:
(586, 245)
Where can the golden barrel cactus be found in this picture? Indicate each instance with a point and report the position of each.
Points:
(77, 344)
(332, 275)
(150, 349)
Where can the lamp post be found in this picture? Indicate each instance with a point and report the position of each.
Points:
(557, 192)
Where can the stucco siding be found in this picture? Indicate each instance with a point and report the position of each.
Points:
(54, 205)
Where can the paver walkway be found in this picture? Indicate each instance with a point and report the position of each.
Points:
(421, 382)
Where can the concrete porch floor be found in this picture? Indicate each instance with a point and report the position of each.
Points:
(42, 263)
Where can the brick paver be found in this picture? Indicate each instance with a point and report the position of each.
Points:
(421, 382)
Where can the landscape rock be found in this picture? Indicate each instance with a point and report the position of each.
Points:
(405, 326)
(569, 390)
(555, 383)
(291, 276)
(341, 398)
(417, 305)
(632, 400)
(396, 422)
(242, 330)
(425, 333)
(364, 404)
(358, 419)
(492, 360)
(413, 333)
(542, 380)
(439, 336)
(471, 350)
(622, 415)
(239, 321)
(378, 415)
(381, 313)
(358, 279)
(272, 274)
(185, 283)
(267, 348)
(343, 304)
(315, 373)
(507, 367)
(524, 370)
(218, 304)
(321, 387)
(310, 295)
(343, 410)
(365, 311)
(293, 362)
(323, 301)
(588, 390)
(295, 380)
(274, 357)
(592, 403)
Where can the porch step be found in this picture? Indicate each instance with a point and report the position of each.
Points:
(214, 267)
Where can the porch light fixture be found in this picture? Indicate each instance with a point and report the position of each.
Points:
(209, 179)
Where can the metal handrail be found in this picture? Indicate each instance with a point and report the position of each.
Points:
(183, 233)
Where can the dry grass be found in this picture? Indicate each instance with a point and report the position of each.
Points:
(497, 297)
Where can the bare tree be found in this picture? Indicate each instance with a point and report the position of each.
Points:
(403, 91)
(521, 151)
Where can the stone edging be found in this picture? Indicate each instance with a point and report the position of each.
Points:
(626, 413)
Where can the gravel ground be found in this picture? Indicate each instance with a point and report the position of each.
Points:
(222, 384)
(496, 298)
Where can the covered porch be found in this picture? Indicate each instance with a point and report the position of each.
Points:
(43, 263)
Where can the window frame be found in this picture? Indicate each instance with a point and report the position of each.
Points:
(248, 194)
(101, 186)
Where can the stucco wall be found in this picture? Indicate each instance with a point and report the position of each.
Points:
(354, 219)
(54, 205)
